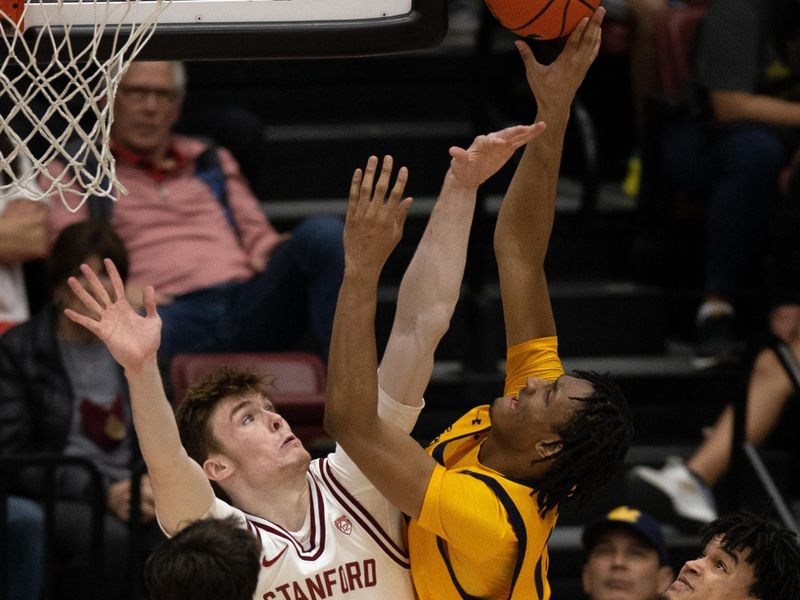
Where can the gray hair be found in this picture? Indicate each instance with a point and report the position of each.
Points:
(179, 73)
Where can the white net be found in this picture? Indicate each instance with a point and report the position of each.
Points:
(61, 65)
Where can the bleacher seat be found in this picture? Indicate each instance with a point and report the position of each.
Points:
(299, 388)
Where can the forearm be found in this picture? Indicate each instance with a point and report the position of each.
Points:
(428, 294)
(432, 283)
(153, 418)
(394, 463)
(525, 219)
(181, 490)
(741, 106)
(351, 403)
(22, 240)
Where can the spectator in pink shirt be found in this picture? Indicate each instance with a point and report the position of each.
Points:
(194, 230)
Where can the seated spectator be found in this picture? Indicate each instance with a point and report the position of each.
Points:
(62, 392)
(744, 557)
(748, 106)
(689, 484)
(227, 280)
(25, 549)
(626, 557)
(641, 16)
(23, 236)
(210, 559)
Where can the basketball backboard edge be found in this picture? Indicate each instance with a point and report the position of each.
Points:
(276, 29)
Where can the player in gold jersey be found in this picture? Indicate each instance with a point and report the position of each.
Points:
(484, 498)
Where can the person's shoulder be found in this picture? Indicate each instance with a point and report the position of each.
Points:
(37, 329)
(189, 146)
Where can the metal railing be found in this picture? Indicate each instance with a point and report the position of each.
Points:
(49, 465)
(745, 454)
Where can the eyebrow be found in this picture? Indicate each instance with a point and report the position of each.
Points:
(237, 408)
(733, 556)
(553, 392)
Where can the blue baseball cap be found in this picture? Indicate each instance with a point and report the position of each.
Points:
(626, 517)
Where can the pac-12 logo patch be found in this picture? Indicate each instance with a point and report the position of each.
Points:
(344, 525)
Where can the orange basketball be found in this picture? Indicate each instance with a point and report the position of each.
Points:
(541, 19)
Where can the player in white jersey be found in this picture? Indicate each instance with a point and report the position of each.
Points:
(351, 543)
(326, 532)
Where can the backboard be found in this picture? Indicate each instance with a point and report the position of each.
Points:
(254, 29)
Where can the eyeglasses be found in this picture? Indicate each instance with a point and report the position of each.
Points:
(138, 94)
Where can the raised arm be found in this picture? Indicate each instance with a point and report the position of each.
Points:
(392, 460)
(397, 466)
(432, 282)
(525, 220)
(180, 488)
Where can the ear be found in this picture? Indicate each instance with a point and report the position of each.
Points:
(547, 448)
(218, 468)
(585, 578)
(665, 577)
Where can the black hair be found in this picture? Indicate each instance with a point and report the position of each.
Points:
(595, 440)
(210, 559)
(772, 551)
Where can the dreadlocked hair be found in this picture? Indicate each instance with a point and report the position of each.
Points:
(772, 551)
(594, 441)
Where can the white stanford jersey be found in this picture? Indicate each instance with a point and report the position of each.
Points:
(351, 544)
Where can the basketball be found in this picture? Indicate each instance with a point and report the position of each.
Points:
(541, 19)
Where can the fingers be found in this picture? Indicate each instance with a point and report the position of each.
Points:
(383, 180)
(80, 319)
(402, 212)
(531, 132)
(361, 188)
(116, 281)
(149, 301)
(520, 134)
(576, 37)
(399, 186)
(525, 52)
(100, 292)
(85, 297)
(365, 190)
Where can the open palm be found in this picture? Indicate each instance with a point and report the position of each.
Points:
(488, 153)
(131, 338)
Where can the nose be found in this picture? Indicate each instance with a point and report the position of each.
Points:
(618, 559)
(150, 102)
(534, 383)
(692, 566)
(276, 421)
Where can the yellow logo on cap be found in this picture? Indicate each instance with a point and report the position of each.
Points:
(624, 513)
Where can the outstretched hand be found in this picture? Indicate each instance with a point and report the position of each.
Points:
(488, 153)
(373, 227)
(131, 338)
(554, 85)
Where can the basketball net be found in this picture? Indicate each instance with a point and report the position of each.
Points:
(57, 111)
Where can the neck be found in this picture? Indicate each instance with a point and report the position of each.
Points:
(285, 504)
(511, 463)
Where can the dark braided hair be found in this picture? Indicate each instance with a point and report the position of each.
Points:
(594, 441)
(772, 551)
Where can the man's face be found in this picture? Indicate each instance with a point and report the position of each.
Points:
(716, 575)
(256, 441)
(538, 410)
(146, 107)
(623, 566)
